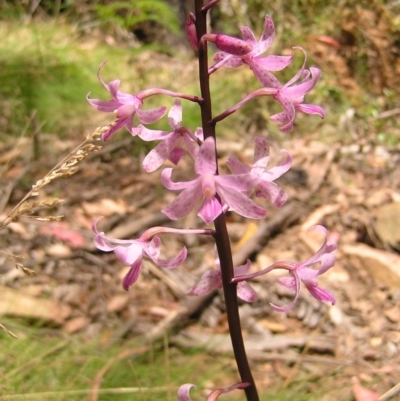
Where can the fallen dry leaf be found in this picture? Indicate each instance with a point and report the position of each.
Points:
(15, 303)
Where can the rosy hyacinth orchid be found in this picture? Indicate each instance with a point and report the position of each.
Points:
(303, 272)
(290, 95)
(172, 143)
(266, 188)
(130, 252)
(211, 280)
(248, 51)
(207, 186)
(125, 107)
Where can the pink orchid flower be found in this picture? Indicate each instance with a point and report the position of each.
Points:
(125, 107)
(237, 52)
(172, 143)
(303, 272)
(211, 280)
(290, 95)
(130, 252)
(207, 186)
(184, 390)
(266, 188)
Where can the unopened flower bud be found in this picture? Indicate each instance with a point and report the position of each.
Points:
(191, 33)
(229, 44)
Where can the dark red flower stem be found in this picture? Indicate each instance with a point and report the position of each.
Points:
(221, 235)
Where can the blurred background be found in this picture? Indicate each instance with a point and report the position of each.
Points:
(78, 330)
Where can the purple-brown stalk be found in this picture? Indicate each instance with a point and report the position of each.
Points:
(221, 233)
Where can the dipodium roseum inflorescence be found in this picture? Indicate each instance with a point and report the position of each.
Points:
(210, 193)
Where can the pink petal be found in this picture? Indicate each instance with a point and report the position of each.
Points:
(236, 166)
(156, 157)
(152, 135)
(246, 292)
(267, 79)
(126, 110)
(152, 248)
(173, 262)
(128, 255)
(175, 115)
(109, 106)
(132, 275)
(229, 60)
(183, 392)
(241, 203)
(239, 182)
(210, 210)
(311, 109)
(113, 127)
(248, 35)
(209, 281)
(288, 282)
(151, 116)
(289, 113)
(269, 190)
(113, 88)
(177, 186)
(267, 36)
(206, 160)
(184, 203)
(304, 87)
(275, 172)
(327, 261)
(272, 62)
(261, 152)
(242, 269)
(176, 154)
(319, 293)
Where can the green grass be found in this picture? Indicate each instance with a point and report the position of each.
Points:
(45, 68)
(40, 365)
(46, 365)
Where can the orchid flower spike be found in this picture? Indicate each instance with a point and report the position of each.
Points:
(266, 188)
(131, 252)
(172, 143)
(207, 186)
(211, 280)
(125, 107)
(236, 52)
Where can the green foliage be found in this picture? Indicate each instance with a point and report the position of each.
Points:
(129, 14)
(43, 365)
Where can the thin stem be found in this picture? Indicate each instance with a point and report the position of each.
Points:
(221, 232)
